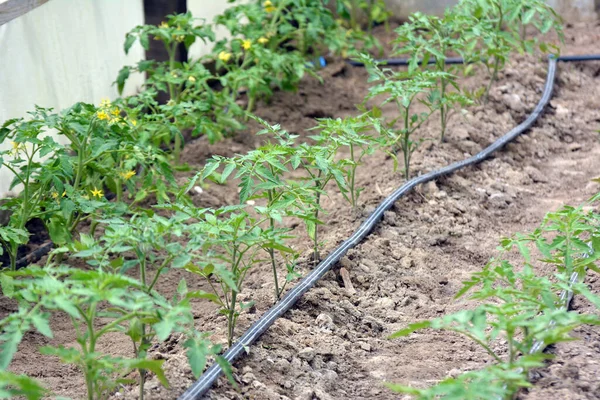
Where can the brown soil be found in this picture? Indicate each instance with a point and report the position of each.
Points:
(333, 344)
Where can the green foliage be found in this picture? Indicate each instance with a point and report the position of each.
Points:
(498, 27)
(351, 135)
(520, 307)
(403, 89)
(375, 11)
(12, 385)
(261, 175)
(98, 303)
(428, 37)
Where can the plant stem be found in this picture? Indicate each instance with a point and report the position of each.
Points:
(251, 102)
(406, 146)
(231, 319)
(271, 251)
(352, 176)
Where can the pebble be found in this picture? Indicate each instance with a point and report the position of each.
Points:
(499, 200)
(514, 102)
(307, 354)
(535, 174)
(324, 321)
(386, 303)
(365, 346)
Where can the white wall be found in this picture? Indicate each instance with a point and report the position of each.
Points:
(207, 9)
(63, 52)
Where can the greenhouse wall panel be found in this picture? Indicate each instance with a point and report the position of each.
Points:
(63, 52)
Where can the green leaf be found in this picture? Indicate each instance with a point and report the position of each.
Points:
(154, 366)
(121, 78)
(41, 323)
(129, 41)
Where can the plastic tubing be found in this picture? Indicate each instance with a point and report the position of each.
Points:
(459, 60)
(206, 380)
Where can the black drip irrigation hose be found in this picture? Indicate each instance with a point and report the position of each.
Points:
(204, 383)
(400, 62)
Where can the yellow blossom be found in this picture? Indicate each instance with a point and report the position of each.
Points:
(192, 79)
(102, 115)
(180, 38)
(54, 195)
(127, 175)
(133, 122)
(163, 25)
(263, 40)
(246, 44)
(269, 7)
(97, 192)
(115, 111)
(17, 148)
(224, 56)
(105, 102)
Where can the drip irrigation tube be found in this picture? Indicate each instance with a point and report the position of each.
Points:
(460, 60)
(204, 383)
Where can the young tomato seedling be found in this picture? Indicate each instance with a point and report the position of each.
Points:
(404, 90)
(428, 37)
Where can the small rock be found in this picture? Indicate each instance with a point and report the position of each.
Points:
(198, 189)
(430, 188)
(561, 111)
(460, 133)
(247, 369)
(454, 372)
(535, 174)
(307, 354)
(386, 303)
(440, 195)
(499, 200)
(514, 102)
(365, 346)
(258, 385)
(249, 377)
(324, 321)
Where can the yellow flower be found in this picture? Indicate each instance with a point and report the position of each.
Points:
(269, 7)
(263, 40)
(163, 25)
(192, 79)
(17, 148)
(246, 44)
(97, 193)
(180, 38)
(105, 102)
(133, 122)
(115, 111)
(224, 56)
(54, 195)
(102, 115)
(127, 175)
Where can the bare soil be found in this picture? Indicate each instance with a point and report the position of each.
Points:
(333, 344)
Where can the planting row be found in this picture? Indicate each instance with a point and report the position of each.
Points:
(130, 148)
